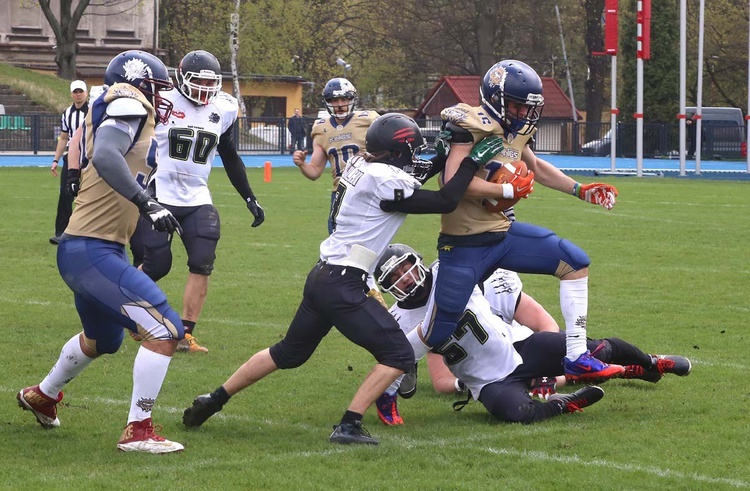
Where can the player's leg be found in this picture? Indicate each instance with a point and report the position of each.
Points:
(638, 364)
(201, 232)
(537, 250)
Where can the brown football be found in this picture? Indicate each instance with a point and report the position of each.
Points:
(506, 173)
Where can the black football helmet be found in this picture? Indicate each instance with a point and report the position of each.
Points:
(145, 72)
(513, 80)
(339, 87)
(410, 281)
(395, 139)
(199, 77)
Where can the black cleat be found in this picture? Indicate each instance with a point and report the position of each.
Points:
(660, 365)
(203, 408)
(347, 433)
(575, 402)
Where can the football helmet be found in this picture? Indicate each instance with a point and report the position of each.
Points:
(410, 281)
(395, 139)
(513, 81)
(145, 72)
(199, 77)
(339, 87)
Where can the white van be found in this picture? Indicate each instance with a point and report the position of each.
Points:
(723, 132)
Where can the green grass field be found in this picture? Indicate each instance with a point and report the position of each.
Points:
(669, 273)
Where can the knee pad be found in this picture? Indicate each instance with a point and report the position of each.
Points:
(108, 345)
(286, 356)
(202, 230)
(157, 261)
(578, 257)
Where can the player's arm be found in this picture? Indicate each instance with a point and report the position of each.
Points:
(459, 142)
(235, 169)
(317, 165)
(74, 163)
(550, 176)
(446, 199)
(531, 314)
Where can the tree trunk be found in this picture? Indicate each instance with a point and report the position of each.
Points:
(234, 43)
(65, 34)
(486, 28)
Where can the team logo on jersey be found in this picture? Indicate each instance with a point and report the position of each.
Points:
(213, 118)
(135, 68)
(178, 114)
(454, 114)
(497, 77)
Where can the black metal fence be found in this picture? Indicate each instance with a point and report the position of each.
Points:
(38, 133)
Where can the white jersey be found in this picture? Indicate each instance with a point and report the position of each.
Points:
(481, 350)
(187, 147)
(362, 231)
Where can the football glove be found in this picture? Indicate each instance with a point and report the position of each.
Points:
(519, 187)
(483, 151)
(73, 182)
(256, 210)
(443, 143)
(596, 193)
(159, 217)
(543, 387)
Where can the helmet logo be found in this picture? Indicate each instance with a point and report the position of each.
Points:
(135, 69)
(346, 86)
(406, 135)
(496, 77)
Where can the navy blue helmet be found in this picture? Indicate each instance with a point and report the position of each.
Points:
(145, 72)
(513, 81)
(339, 87)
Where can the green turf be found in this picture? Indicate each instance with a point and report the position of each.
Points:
(669, 273)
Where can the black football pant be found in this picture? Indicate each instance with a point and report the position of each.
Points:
(64, 201)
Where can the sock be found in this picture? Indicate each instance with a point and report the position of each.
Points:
(574, 300)
(149, 371)
(189, 326)
(220, 395)
(351, 417)
(71, 362)
(393, 388)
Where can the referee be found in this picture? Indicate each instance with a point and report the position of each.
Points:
(72, 118)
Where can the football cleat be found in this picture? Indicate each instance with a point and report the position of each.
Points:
(575, 402)
(190, 345)
(347, 433)
(586, 368)
(660, 364)
(44, 407)
(408, 385)
(140, 436)
(203, 408)
(388, 409)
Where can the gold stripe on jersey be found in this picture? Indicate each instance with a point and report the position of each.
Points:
(100, 211)
(471, 217)
(342, 142)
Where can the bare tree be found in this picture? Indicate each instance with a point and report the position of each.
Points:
(65, 28)
(235, 45)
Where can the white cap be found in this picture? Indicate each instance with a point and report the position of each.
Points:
(77, 84)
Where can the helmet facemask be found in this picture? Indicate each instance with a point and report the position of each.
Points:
(200, 87)
(162, 107)
(408, 282)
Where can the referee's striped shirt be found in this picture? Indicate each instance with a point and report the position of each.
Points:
(72, 118)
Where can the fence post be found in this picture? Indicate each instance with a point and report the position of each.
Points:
(35, 133)
(282, 135)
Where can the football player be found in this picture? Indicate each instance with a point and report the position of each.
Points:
(474, 241)
(498, 361)
(202, 123)
(109, 292)
(336, 287)
(338, 138)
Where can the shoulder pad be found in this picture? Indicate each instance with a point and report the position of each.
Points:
(125, 107)
(224, 98)
(458, 134)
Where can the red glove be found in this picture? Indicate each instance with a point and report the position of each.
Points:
(543, 387)
(596, 193)
(519, 187)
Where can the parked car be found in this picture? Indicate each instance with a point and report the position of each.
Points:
(723, 132)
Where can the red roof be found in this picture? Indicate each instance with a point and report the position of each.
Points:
(451, 90)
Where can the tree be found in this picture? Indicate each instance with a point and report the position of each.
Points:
(65, 28)
(594, 85)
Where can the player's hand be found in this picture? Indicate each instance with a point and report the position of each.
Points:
(73, 182)
(298, 157)
(596, 193)
(543, 387)
(519, 187)
(483, 151)
(159, 217)
(443, 143)
(256, 210)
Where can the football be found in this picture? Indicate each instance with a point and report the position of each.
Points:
(505, 173)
